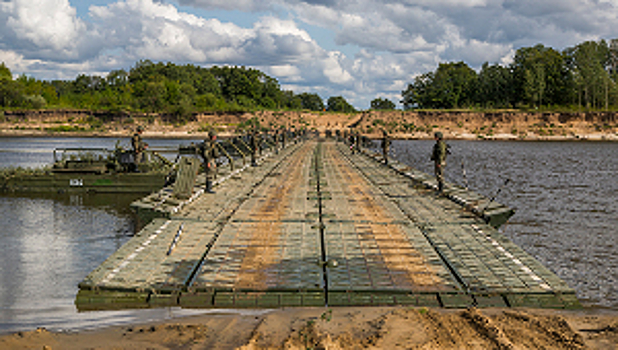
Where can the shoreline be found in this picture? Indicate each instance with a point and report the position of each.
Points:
(595, 137)
(503, 125)
(394, 327)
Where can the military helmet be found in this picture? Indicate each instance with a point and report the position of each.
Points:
(438, 135)
(140, 128)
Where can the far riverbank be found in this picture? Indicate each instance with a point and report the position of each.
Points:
(456, 125)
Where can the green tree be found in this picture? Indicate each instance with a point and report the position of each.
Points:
(5, 72)
(206, 83)
(339, 104)
(417, 95)
(10, 90)
(494, 86)
(451, 86)
(534, 83)
(37, 93)
(454, 85)
(591, 64)
(382, 104)
(312, 102)
(530, 65)
(117, 79)
(291, 101)
(150, 96)
(208, 101)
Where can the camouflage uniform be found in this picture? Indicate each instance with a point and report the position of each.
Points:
(386, 144)
(276, 140)
(440, 150)
(351, 141)
(283, 136)
(209, 153)
(255, 147)
(358, 140)
(139, 146)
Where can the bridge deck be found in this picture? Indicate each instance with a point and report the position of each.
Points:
(316, 225)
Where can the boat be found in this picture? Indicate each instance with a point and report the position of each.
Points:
(91, 170)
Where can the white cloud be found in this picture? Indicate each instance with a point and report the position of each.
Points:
(386, 42)
(242, 5)
(13, 60)
(286, 71)
(47, 25)
(333, 69)
(145, 29)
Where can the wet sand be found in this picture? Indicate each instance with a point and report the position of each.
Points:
(348, 328)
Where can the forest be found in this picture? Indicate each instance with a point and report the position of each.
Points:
(539, 77)
(178, 90)
(580, 77)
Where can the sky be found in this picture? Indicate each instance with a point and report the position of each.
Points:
(358, 49)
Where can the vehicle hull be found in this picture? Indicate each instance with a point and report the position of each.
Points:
(84, 182)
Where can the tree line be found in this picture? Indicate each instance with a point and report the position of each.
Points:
(583, 76)
(179, 90)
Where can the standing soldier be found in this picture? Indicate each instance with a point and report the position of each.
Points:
(440, 150)
(276, 140)
(209, 154)
(358, 141)
(352, 141)
(139, 146)
(283, 135)
(294, 134)
(386, 144)
(255, 146)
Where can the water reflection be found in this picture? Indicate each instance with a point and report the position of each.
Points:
(50, 242)
(49, 245)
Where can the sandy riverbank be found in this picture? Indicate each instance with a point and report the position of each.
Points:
(181, 134)
(506, 125)
(348, 328)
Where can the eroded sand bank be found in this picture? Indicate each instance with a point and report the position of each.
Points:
(348, 328)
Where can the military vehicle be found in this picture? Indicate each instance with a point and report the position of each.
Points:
(95, 170)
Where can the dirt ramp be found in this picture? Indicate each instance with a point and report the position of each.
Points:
(348, 328)
(414, 329)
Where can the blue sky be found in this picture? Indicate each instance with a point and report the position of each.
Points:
(358, 49)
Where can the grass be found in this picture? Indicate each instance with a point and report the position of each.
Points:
(66, 128)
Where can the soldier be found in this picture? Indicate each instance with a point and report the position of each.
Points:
(294, 134)
(209, 154)
(276, 140)
(255, 146)
(283, 136)
(386, 144)
(358, 141)
(139, 146)
(352, 141)
(440, 150)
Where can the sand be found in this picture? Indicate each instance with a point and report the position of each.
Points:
(348, 328)
(463, 125)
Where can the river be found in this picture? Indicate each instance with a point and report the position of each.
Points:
(565, 195)
(566, 199)
(49, 243)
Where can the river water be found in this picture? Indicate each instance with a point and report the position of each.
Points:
(565, 195)
(49, 243)
(566, 199)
